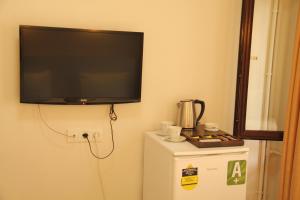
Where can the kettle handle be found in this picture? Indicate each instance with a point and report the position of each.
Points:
(201, 111)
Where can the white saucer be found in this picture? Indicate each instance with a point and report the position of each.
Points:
(211, 129)
(179, 139)
(160, 133)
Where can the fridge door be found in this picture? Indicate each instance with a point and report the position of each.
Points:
(210, 177)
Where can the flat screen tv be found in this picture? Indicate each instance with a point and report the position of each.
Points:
(79, 66)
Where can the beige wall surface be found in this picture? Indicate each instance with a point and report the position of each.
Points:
(190, 51)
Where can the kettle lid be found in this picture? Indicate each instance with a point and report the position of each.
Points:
(186, 100)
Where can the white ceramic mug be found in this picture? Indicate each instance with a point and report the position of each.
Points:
(164, 126)
(174, 132)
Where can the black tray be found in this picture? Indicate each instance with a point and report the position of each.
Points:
(198, 136)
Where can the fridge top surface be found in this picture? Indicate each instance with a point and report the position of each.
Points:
(188, 149)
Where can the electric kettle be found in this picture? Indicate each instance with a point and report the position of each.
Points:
(186, 116)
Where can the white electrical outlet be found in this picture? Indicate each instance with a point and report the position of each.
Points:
(75, 136)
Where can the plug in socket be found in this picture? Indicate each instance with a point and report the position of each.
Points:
(77, 136)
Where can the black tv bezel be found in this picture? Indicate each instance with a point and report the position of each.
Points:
(79, 100)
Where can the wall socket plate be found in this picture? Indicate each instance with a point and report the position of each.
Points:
(76, 136)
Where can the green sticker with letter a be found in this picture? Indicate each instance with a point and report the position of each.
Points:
(236, 172)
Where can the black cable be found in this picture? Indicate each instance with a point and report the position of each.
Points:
(112, 114)
(113, 117)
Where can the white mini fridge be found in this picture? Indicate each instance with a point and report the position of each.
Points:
(181, 171)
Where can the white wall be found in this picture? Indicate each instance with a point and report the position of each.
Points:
(190, 51)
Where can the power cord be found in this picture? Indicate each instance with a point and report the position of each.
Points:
(112, 114)
(113, 117)
(49, 127)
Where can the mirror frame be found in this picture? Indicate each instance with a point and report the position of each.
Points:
(242, 80)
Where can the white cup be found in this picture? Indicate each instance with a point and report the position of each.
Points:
(174, 132)
(164, 125)
(211, 126)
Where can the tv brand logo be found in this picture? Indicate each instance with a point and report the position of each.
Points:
(83, 101)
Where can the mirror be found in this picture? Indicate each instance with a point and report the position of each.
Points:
(265, 58)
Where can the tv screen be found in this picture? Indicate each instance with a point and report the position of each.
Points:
(79, 66)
